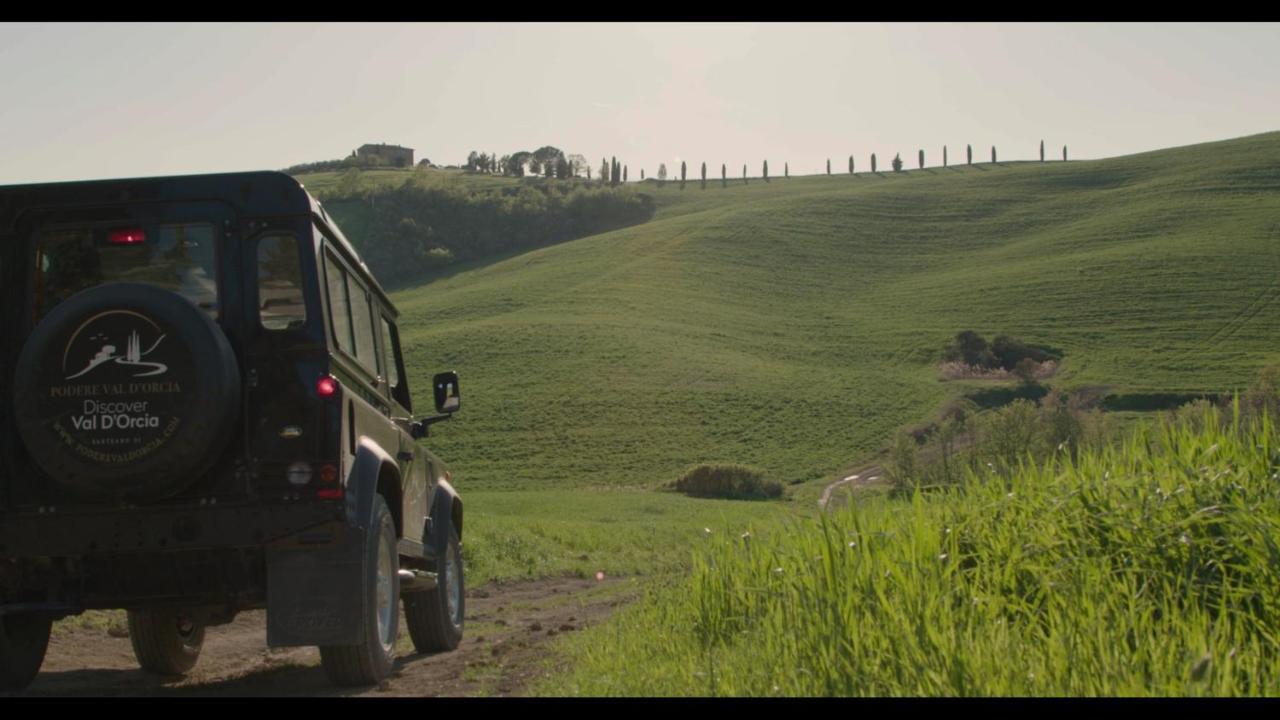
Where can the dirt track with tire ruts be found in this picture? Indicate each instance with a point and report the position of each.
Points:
(505, 648)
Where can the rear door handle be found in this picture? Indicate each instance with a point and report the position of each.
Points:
(404, 455)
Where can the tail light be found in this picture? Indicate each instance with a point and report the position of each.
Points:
(330, 489)
(128, 236)
(327, 386)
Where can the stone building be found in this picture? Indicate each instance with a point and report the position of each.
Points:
(392, 155)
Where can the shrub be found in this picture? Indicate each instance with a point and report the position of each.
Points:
(970, 348)
(732, 482)
(1009, 351)
(1025, 370)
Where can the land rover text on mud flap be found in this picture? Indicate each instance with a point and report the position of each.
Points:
(204, 409)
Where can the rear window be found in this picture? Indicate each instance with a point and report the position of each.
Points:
(280, 301)
(181, 258)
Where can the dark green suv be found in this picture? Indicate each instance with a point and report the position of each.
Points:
(204, 409)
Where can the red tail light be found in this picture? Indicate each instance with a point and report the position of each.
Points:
(326, 386)
(330, 493)
(129, 236)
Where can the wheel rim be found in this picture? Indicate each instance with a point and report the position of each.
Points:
(386, 596)
(453, 589)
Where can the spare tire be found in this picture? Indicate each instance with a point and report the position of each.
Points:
(127, 392)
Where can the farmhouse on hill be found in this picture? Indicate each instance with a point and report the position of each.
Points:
(384, 154)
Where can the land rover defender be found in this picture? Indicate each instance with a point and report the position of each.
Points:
(204, 409)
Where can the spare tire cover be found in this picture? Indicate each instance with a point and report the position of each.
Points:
(126, 391)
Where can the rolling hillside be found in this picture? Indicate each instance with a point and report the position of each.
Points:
(795, 324)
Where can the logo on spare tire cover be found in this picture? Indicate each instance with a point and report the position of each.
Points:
(116, 397)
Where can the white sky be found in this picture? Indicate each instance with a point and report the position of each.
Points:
(135, 99)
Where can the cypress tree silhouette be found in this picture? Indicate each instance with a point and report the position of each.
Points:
(969, 152)
(724, 176)
(766, 171)
(641, 174)
(1041, 151)
(744, 175)
(786, 171)
(897, 162)
(1064, 153)
(873, 162)
(993, 153)
(921, 158)
(704, 176)
(828, 166)
(624, 173)
(682, 174)
(944, 156)
(850, 164)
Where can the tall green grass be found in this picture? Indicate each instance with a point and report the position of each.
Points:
(1151, 567)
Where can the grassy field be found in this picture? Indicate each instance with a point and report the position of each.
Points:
(793, 325)
(1144, 569)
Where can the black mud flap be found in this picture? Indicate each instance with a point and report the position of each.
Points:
(315, 594)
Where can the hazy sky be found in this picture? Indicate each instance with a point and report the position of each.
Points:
(131, 99)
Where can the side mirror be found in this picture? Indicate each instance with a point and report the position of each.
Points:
(448, 399)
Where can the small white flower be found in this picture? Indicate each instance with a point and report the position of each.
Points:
(707, 530)
(853, 544)
(777, 570)
(943, 556)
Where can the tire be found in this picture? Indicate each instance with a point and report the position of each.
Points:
(371, 661)
(165, 643)
(24, 638)
(126, 392)
(436, 617)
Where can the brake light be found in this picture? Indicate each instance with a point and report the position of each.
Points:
(130, 236)
(330, 493)
(326, 386)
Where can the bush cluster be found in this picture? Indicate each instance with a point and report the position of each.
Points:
(1004, 351)
(1024, 433)
(423, 225)
(732, 482)
(997, 441)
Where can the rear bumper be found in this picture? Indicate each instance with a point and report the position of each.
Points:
(206, 556)
(83, 533)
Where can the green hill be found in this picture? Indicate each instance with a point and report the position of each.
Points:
(795, 324)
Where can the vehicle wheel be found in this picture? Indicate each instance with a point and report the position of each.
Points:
(370, 661)
(435, 617)
(165, 643)
(24, 637)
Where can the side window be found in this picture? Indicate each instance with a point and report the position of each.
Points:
(280, 301)
(395, 366)
(389, 362)
(339, 306)
(362, 322)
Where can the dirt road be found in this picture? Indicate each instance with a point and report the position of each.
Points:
(866, 475)
(509, 628)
